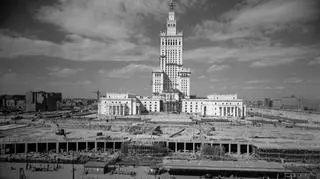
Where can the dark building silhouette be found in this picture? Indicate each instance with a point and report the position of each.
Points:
(42, 101)
(12, 102)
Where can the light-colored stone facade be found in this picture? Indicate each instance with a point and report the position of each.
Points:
(114, 104)
(215, 105)
(150, 105)
(171, 75)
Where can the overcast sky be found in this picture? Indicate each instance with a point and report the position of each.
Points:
(256, 48)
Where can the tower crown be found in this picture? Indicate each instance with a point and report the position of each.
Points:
(171, 5)
(171, 22)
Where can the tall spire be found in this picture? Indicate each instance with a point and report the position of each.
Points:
(171, 5)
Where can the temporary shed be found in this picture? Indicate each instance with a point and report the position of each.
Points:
(95, 167)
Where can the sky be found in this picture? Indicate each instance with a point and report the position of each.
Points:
(255, 48)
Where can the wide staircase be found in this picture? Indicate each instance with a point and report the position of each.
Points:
(171, 118)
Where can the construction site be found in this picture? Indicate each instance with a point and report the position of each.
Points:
(291, 141)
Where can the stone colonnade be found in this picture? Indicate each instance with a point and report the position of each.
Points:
(235, 148)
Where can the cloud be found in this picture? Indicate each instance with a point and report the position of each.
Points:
(66, 83)
(256, 19)
(109, 20)
(127, 71)
(268, 62)
(315, 61)
(263, 88)
(293, 80)
(202, 77)
(75, 48)
(248, 27)
(261, 56)
(214, 68)
(273, 12)
(262, 81)
(214, 80)
(63, 72)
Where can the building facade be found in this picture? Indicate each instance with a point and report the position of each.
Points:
(12, 102)
(150, 105)
(171, 75)
(42, 101)
(171, 85)
(215, 105)
(115, 104)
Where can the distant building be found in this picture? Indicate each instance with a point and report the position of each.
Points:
(276, 103)
(267, 102)
(291, 103)
(12, 102)
(215, 105)
(42, 101)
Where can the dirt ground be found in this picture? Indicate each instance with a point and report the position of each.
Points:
(66, 172)
(44, 130)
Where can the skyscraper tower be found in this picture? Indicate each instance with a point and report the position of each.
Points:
(171, 76)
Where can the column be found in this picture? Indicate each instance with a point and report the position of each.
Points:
(118, 109)
(95, 146)
(47, 147)
(25, 147)
(233, 111)
(57, 147)
(185, 147)
(194, 147)
(238, 149)
(114, 145)
(222, 110)
(248, 149)
(104, 146)
(226, 111)
(15, 148)
(236, 111)
(86, 146)
(77, 146)
(229, 149)
(67, 146)
(37, 147)
(176, 146)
